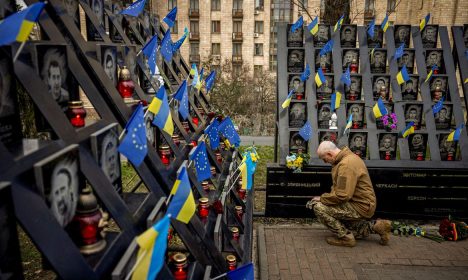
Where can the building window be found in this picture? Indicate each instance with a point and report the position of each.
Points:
(259, 27)
(216, 5)
(193, 4)
(391, 5)
(258, 50)
(237, 26)
(171, 4)
(236, 70)
(194, 48)
(215, 26)
(304, 6)
(194, 27)
(369, 6)
(259, 5)
(174, 28)
(237, 5)
(216, 49)
(237, 49)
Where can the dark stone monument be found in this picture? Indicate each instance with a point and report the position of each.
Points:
(443, 118)
(435, 57)
(377, 40)
(325, 91)
(417, 146)
(379, 82)
(357, 110)
(296, 60)
(324, 61)
(348, 36)
(353, 92)
(324, 115)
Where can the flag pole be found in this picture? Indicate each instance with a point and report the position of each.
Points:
(135, 265)
(219, 276)
(122, 134)
(19, 50)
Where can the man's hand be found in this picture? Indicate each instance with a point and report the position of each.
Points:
(310, 203)
(316, 198)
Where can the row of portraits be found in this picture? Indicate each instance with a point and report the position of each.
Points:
(348, 35)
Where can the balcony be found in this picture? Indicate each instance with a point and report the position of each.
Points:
(194, 13)
(368, 13)
(194, 36)
(194, 58)
(236, 36)
(237, 58)
(237, 13)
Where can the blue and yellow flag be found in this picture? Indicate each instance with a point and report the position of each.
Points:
(182, 206)
(371, 28)
(171, 17)
(338, 24)
(319, 77)
(409, 129)
(247, 169)
(385, 24)
(162, 114)
(306, 131)
(176, 46)
(349, 123)
(288, 100)
(195, 76)
(455, 135)
(402, 76)
(424, 22)
(193, 70)
(429, 75)
(298, 24)
(379, 109)
(313, 26)
(152, 252)
(200, 79)
(135, 9)
(373, 51)
(335, 101)
(18, 26)
(305, 75)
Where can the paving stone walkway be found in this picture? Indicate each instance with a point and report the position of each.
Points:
(300, 252)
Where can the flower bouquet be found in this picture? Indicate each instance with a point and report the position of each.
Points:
(389, 122)
(297, 161)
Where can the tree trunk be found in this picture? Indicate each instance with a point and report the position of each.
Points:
(334, 9)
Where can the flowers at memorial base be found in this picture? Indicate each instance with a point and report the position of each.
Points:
(390, 121)
(453, 230)
(296, 161)
(403, 229)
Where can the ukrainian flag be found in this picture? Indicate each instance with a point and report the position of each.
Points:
(455, 135)
(319, 77)
(429, 75)
(424, 22)
(247, 169)
(402, 76)
(162, 113)
(349, 123)
(338, 24)
(466, 81)
(18, 26)
(409, 129)
(182, 206)
(313, 26)
(335, 101)
(194, 70)
(385, 24)
(288, 99)
(200, 80)
(153, 245)
(379, 109)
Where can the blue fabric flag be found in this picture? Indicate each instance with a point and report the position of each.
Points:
(226, 128)
(166, 46)
(202, 165)
(298, 24)
(371, 28)
(152, 58)
(176, 46)
(305, 75)
(134, 145)
(245, 272)
(327, 48)
(399, 52)
(346, 77)
(150, 47)
(209, 82)
(135, 9)
(18, 26)
(213, 134)
(306, 131)
(184, 103)
(171, 17)
(179, 95)
(438, 106)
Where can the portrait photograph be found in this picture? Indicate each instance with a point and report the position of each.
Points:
(150, 130)
(324, 115)
(324, 61)
(358, 143)
(435, 57)
(296, 60)
(104, 144)
(378, 62)
(113, 33)
(350, 57)
(296, 142)
(295, 39)
(297, 114)
(58, 181)
(97, 6)
(145, 83)
(130, 61)
(402, 35)
(413, 113)
(417, 145)
(357, 110)
(381, 87)
(328, 136)
(438, 87)
(71, 8)
(408, 60)
(298, 86)
(348, 36)
(429, 36)
(447, 149)
(353, 91)
(322, 36)
(109, 62)
(388, 145)
(378, 122)
(325, 91)
(443, 118)
(7, 8)
(377, 40)
(409, 89)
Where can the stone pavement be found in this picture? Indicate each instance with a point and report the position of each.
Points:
(301, 252)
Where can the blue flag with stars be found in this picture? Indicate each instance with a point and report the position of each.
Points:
(166, 46)
(306, 131)
(176, 46)
(305, 75)
(152, 59)
(438, 106)
(184, 102)
(399, 52)
(150, 48)
(171, 17)
(226, 127)
(346, 77)
(298, 24)
(327, 48)
(371, 28)
(202, 165)
(209, 82)
(213, 134)
(135, 9)
(245, 272)
(180, 91)
(134, 145)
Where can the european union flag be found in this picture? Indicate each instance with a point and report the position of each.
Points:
(327, 48)
(171, 17)
(182, 206)
(438, 106)
(135, 9)
(313, 26)
(305, 75)
(200, 159)
(306, 131)
(209, 82)
(213, 134)
(180, 91)
(17, 26)
(399, 52)
(166, 46)
(298, 24)
(226, 127)
(346, 77)
(182, 96)
(150, 47)
(134, 145)
(176, 46)
(152, 59)
(371, 28)
(245, 272)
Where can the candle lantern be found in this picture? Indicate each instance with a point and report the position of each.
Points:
(420, 156)
(201, 111)
(165, 154)
(211, 115)
(436, 71)
(125, 86)
(76, 113)
(180, 266)
(203, 207)
(194, 143)
(195, 120)
(205, 186)
(355, 125)
(239, 212)
(186, 126)
(353, 68)
(231, 261)
(450, 156)
(175, 139)
(219, 158)
(235, 233)
(213, 171)
(241, 192)
(299, 96)
(387, 155)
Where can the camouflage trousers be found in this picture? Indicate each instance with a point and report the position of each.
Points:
(342, 219)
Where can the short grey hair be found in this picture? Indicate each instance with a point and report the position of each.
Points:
(326, 146)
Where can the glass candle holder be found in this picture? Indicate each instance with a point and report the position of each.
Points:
(232, 262)
(239, 212)
(180, 266)
(219, 158)
(203, 207)
(186, 126)
(213, 171)
(126, 87)
(387, 155)
(235, 233)
(175, 139)
(420, 156)
(205, 186)
(165, 154)
(450, 156)
(241, 192)
(76, 113)
(299, 96)
(353, 68)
